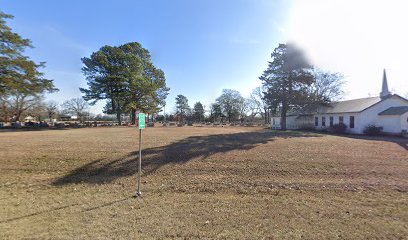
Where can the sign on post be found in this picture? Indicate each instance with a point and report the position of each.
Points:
(142, 122)
(142, 125)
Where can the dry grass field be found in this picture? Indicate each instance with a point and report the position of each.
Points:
(202, 182)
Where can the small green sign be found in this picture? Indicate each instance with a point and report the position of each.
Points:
(142, 124)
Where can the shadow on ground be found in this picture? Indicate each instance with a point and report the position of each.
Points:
(194, 147)
(403, 142)
(28, 129)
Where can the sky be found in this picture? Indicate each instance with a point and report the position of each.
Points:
(205, 46)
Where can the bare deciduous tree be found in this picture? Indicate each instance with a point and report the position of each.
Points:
(258, 104)
(18, 104)
(77, 106)
(52, 109)
(253, 109)
(327, 87)
(242, 104)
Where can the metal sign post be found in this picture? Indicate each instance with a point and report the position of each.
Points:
(142, 126)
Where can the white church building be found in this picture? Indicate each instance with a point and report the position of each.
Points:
(389, 111)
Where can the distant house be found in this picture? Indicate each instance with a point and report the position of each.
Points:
(389, 111)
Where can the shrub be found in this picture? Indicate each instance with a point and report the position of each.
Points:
(189, 123)
(339, 128)
(150, 124)
(373, 130)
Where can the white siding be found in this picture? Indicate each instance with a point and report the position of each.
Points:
(275, 122)
(390, 123)
(290, 122)
(336, 117)
(404, 122)
(293, 122)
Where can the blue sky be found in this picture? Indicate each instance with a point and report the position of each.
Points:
(204, 46)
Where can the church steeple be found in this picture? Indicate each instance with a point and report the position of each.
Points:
(384, 90)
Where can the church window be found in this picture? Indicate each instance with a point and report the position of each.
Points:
(341, 119)
(316, 121)
(323, 121)
(351, 121)
(331, 121)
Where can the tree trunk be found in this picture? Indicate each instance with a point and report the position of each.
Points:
(133, 116)
(118, 116)
(283, 115)
(18, 116)
(265, 115)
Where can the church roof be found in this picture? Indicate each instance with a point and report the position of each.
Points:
(395, 111)
(351, 106)
(355, 105)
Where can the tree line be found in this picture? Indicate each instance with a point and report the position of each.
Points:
(230, 107)
(125, 77)
(290, 84)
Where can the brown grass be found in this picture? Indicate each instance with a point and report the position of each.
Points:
(207, 182)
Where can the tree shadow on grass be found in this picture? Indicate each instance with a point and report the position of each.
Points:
(32, 129)
(399, 140)
(194, 147)
(403, 142)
